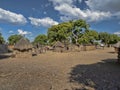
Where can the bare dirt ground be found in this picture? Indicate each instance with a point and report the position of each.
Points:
(86, 70)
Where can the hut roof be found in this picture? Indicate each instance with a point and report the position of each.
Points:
(117, 45)
(23, 44)
(58, 44)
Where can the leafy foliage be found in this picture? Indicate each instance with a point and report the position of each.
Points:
(76, 32)
(108, 38)
(1, 39)
(79, 33)
(13, 39)
(67, 31)
(42, 39)
(59, 32)
(88, 37)
(79, 28)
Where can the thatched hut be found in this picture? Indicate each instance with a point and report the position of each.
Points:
(39, 48)
(78, 48)
(116, 46)
(23, 45)
(23, 48)
(117, 50)
(58, 47)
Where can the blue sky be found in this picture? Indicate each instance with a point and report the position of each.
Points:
(34, 17)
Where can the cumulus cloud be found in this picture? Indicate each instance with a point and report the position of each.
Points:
(22, 32)
(10, 32)
(60, 2)
(112, 6)
(104, 5)
(69, 12)
(45, 22)
(11, 17)
(117, 33)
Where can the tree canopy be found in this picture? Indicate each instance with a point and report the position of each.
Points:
(67, 31)
(75, 32)
(108, 38)
(59, 32)
(88, 37)
(41, 39)
(14, 38)
(1, 39)
(78, 32)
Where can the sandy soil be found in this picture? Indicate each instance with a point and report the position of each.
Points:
(86, 70)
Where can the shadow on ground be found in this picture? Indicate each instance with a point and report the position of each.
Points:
(104, 75)
(112, 52)
(4, 56)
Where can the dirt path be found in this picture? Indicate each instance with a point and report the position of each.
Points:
(61, 71)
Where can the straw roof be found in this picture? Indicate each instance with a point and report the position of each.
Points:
(58, 44)
(117, 45)
(23, 44)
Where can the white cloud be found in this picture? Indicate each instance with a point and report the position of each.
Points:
(10, 17)
(60, 2)
(11, 32)
(117, 33)
(97, 15)
(112, 6)
(22, 32)
(45, 22)
(104, 5)
(69, 11)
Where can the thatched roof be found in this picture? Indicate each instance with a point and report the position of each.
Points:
(58, 44)
(117, 45)
(23, 44)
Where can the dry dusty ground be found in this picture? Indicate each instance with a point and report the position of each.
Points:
(86, 70)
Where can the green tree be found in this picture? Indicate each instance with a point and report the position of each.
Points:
(67, 31)
(114, 39)
(42, 39)
(1, 39)
(88, 37)
(79, 28)
(60, 32)
(108, 38)
(105, 37)
(14, 38)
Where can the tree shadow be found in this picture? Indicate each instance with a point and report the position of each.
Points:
(4, 56)
(103, 75)
(112, 52)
